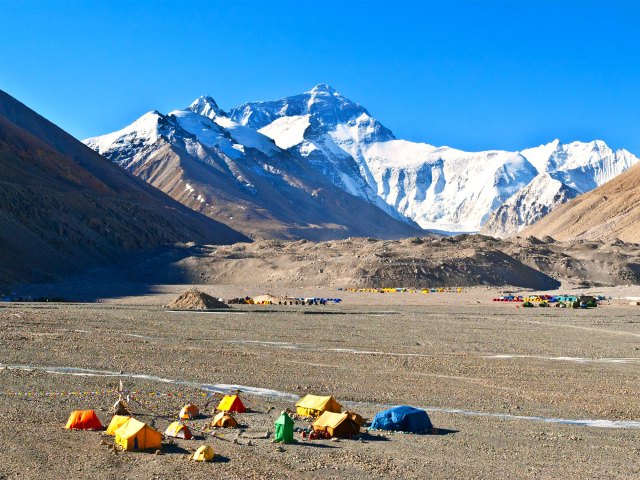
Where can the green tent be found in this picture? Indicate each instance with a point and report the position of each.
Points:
(284, 429)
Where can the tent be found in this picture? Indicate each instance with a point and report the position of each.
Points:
(136, 435)
(83, 420)
(178, 430)
(404, 419)
(224, 420)
(189, 411)
(336, 424)
(204, 454)
(231, 403)
(116, 422)
(313, 405)
(355, 417)
(284, 429)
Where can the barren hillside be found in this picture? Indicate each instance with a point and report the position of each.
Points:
(64, 208)
(609, 212)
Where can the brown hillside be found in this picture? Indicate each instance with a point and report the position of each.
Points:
(64, 208)
(609, 212)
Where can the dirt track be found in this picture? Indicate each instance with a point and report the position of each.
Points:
(482, 358)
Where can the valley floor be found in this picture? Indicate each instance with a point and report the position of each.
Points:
(518, 393)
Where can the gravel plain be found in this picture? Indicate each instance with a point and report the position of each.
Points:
(502, 383)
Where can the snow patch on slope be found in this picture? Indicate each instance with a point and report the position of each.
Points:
(287, 131)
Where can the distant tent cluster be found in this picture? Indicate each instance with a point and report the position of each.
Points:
(269, 299)
(561, 301)
(406, 290)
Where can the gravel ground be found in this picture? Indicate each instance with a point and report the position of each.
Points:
(443, 355)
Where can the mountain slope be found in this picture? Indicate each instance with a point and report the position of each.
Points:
(64, 208)
(528, 205)
(232, 172)
(609, 212)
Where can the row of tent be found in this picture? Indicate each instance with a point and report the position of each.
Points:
(329, 417)
(406, 290)
(548, 298)
(132, 434)
(269, 299)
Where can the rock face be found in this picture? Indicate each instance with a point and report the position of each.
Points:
(64, 208)
(608, 213)
(287, 168)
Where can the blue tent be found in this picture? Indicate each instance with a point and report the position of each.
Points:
(403, 419)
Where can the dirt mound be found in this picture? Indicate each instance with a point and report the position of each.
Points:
(196, 300)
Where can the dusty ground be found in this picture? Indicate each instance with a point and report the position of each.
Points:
(442, 352)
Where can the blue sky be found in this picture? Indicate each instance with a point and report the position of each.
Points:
(473, 75)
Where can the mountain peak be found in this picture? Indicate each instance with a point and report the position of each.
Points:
(323, 88)
(207, 106)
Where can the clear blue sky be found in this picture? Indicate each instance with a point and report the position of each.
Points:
(474, 75)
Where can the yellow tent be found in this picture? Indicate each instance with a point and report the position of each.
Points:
(116, 422)
(178, 430)
(136, 435)
(313, 405)
(204, 454)
(231, 403)
(336, 424)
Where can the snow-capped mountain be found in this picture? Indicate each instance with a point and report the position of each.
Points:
(233, 173)
(328, 131)
(438, 187)
(261, 156)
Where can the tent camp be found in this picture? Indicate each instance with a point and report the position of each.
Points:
(231, 403)
(136, 435)
(402, 419)
(83, 420)
(269, 299)
(313, 405)
(336, 424)
(189, 411)
(204, 454)
(224, 420)
(283, 429)
(178, 430)
(116, 422)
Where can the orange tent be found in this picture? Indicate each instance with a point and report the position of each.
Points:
(224, 420)
(231, 403)
(189, 411)
(83, 420)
